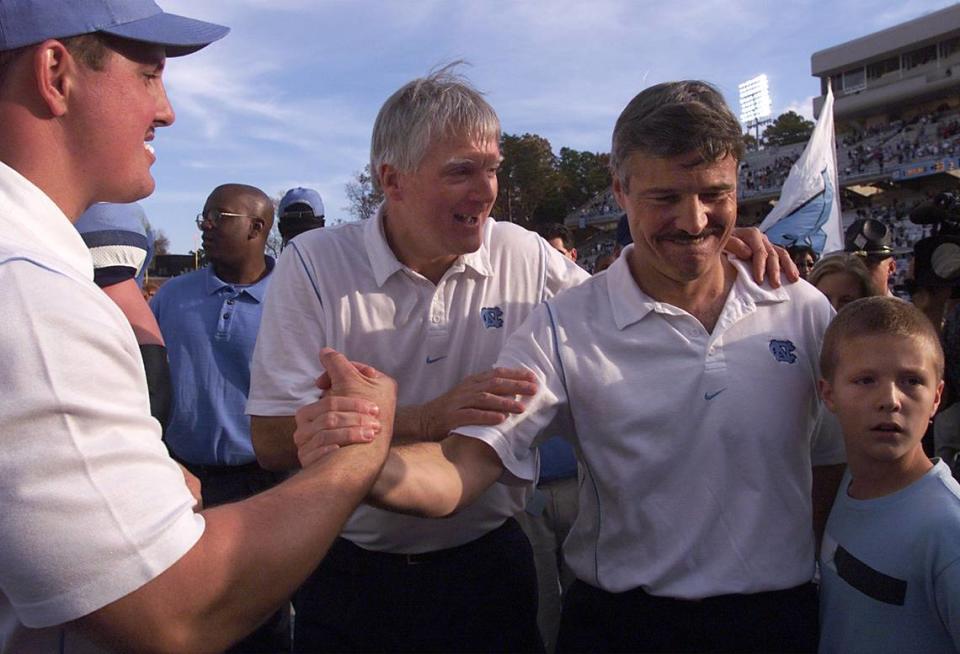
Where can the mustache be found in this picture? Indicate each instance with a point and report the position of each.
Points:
(686, 236)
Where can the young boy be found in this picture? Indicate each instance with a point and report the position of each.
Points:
(890, 561)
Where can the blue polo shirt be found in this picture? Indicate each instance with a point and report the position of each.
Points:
(210, 327)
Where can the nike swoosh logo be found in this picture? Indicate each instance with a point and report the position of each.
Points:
(710, 396)
(429, 360)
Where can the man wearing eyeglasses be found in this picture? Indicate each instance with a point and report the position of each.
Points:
(210, 319)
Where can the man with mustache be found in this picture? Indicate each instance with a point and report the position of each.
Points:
(427, 291)
(704, 477)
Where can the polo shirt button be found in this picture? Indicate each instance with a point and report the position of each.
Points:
(226, 316)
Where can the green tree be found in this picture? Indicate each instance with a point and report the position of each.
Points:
(529, 180)
(789, 127)
(363, 196)
(583, 174)
(161, 244)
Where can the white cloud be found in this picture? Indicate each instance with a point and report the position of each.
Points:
(803, 107)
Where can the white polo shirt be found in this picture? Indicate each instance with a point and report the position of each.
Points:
(695, 448)
(91, 505)
(344, 288)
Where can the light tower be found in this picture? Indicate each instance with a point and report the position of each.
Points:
(755, 104)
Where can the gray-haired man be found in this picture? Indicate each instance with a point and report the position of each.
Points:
(427, 291)
(99, 541)
(694, 391)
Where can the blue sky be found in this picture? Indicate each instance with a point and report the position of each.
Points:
(289, 97)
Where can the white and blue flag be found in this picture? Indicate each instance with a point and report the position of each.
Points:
(808, 212)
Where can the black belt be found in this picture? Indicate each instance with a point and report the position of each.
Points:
(438, 556)
(216, 470)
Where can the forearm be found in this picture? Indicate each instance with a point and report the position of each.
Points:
(435, 480)
(417, 479)
(826, 481)
(273, 442)
(251, 557)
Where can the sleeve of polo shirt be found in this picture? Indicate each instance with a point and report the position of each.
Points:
(532, 347)
(561, 273)
(119, 252)
(286, 359)
(92, 505)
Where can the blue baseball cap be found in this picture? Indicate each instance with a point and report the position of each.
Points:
(26, 22)
(301, 195)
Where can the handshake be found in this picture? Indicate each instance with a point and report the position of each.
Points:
(358, 406)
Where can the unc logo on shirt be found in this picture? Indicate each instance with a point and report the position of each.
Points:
(783, 351)
(492, 317)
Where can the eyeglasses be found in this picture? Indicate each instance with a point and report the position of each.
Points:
(215, 215)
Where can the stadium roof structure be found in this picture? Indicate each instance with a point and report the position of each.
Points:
(909, 62)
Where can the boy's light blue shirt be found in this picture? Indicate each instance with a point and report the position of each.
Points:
(890, 569)
(210, 328)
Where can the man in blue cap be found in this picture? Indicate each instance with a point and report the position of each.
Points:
(99, 541)
(300, 210)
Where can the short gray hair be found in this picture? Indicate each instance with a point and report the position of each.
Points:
(674, 118)
(439, 105)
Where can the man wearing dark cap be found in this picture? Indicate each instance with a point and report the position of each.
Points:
(100, 546)
(870, 239)
(300, 210)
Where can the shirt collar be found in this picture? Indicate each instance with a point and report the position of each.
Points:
(37, 224)
(630, 304)
(385, 263)
(256, 291)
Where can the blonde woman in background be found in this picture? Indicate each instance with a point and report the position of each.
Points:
(843, 278)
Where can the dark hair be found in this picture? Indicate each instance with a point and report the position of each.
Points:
(89, 49)
(674, 118)
(556, 230)
(878, 315)
(797, 250)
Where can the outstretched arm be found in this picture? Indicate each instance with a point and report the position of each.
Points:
(435, 480)
(253, 553)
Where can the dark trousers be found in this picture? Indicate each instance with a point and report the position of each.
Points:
(478, 597)
(223, 484)
(595, 620)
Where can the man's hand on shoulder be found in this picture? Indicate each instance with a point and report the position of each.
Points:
(769, 261)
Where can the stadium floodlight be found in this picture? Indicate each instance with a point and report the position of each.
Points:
(756, 107)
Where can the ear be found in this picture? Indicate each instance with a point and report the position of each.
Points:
(936, 400)
(55, 72)
(619, 192)
(390, 182)
(257, 227)
(892, 267)
(826, 393)
(573, 253)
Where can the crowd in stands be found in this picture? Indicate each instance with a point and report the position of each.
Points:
(871, 151)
